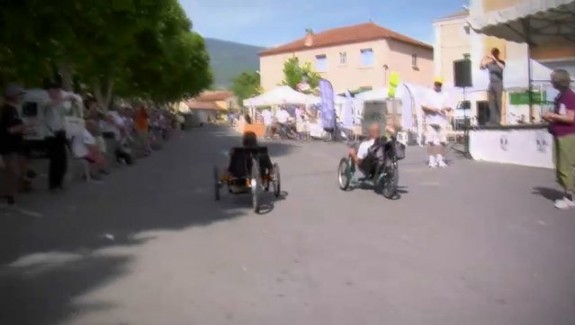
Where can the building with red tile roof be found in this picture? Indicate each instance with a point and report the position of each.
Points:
(352, 57)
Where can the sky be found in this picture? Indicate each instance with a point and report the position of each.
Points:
(273, 22)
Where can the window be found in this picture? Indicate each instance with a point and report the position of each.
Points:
(367, 59)
(414, 60)
(466, 56)
(321, 63)
(342, 58)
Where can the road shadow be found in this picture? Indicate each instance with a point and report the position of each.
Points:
(44, 292)
(170, 191)
(269, 200)
(401, 190)
(548, 193)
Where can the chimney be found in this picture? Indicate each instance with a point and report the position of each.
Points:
(308, 40)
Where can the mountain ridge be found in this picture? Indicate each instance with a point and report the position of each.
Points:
(228, 59)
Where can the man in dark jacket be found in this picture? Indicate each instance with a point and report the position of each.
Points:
(12, 130)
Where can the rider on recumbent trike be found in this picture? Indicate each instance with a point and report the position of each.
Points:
(376, 158)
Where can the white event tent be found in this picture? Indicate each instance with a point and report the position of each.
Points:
(279, 96)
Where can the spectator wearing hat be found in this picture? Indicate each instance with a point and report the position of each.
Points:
(435, 108)
(12, 130)
(562, 127)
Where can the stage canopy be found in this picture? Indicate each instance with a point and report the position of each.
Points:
(278, 96)
(535, 22)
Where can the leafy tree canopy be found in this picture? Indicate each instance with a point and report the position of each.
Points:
(142, 48)
(246, 85)
(295, 73)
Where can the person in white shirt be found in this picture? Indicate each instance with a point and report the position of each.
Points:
(268, 120)
(302, 126)
(54, 114)
(358, 155)
(282, 116)
(435, 108)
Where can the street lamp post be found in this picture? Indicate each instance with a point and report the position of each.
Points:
(385, 68)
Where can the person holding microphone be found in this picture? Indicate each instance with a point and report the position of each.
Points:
(495, 66)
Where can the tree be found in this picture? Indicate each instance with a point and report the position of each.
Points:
(294, 74)
(141, 48)
(246, 85)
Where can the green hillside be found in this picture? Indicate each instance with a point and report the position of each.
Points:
(229, 59)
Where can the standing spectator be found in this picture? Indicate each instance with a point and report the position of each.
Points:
(248, 119)
(301, 126)
(562, 127)
(495, 66)
(142, 126)
(12, 129)
(56, 141)
(435, 108)
(96, 118)
(268, 120)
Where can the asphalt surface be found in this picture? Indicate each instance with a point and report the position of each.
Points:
(476, 243)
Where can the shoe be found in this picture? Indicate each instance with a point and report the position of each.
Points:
(564, 204)
(432, 163)
(441, 164)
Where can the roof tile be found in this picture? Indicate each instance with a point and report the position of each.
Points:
(196, 104)
(215, 95)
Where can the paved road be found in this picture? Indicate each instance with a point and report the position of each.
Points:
(473, 244)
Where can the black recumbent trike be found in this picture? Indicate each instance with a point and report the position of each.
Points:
(380, 169)
(250, 171)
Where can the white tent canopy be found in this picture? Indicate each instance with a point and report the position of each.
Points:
(536, 22)
(278, 96)
(338, 100)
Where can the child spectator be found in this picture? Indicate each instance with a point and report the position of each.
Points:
(84, 146)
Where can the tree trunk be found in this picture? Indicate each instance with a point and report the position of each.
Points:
(103, 92)
(67, 74)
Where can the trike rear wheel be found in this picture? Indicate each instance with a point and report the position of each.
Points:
(388, 182)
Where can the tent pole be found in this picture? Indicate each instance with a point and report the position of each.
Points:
(527, 28)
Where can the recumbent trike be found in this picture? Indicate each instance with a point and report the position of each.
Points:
(380, 168)
(250, 171)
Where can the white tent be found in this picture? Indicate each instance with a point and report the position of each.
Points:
(373, 95)
(278, 96)
(316, 100)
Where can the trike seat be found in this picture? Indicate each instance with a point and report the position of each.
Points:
(380, 154)
(241, 161)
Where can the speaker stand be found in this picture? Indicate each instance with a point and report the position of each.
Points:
(466, 125)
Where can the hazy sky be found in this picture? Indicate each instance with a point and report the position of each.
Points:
(274, 22)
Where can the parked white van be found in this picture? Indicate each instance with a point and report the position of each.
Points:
(33, 110)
